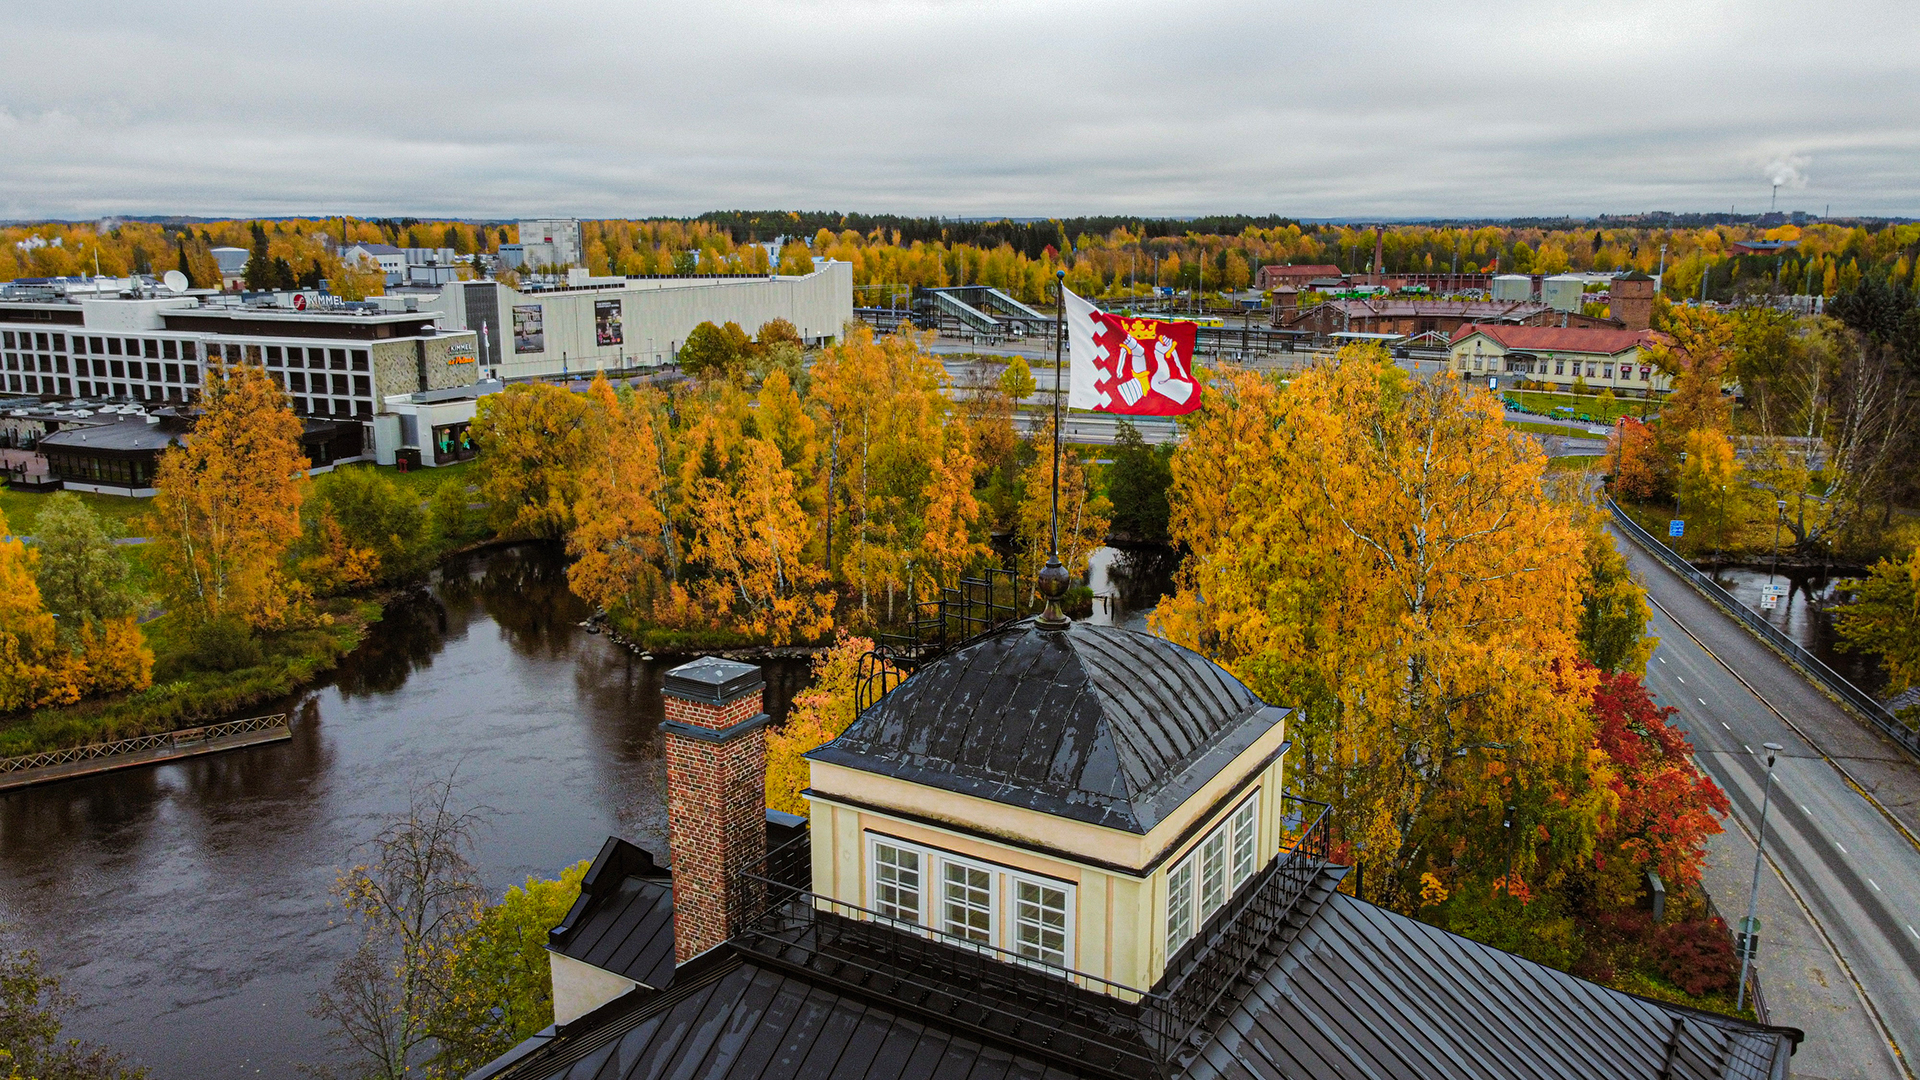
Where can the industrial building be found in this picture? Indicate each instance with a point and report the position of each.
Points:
(1417, 315)
(623, 323)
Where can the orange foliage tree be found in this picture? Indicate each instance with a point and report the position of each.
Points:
(1383, 553)
(227, 505)
(620, 536)
(535, 441)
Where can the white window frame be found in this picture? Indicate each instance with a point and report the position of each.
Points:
(874, 844)
(1188, 874)
(994, 885)
(1002, 919)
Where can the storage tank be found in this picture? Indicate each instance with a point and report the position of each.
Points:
(1563, 292)
(1513, 287)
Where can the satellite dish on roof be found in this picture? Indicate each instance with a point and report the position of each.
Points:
(175, 281)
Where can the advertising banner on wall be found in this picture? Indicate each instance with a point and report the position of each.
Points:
(529, 330)
(606, 322)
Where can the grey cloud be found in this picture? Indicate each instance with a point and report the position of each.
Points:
(495, 109)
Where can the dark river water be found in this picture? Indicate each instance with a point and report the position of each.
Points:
(187, 905)
(1803, 616)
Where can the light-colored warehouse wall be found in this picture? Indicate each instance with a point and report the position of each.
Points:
(656, 316)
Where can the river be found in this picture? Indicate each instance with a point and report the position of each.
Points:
(1802, 614)
(187, 905)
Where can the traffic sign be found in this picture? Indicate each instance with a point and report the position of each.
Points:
(1676, 527)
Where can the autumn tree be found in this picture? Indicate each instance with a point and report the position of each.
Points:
(499, 987)
(620, 538)
(227, 505)
(748, 538)
(1884, 619)
(359, 528)
(535, 441)
(882, 405)
(32, 1005)
(1710, 495)
(413, 904)
(1613, 607)
(1383, 553)
(1085, 514)
(83, 575)
(1017, 380)
(1638, 472)
(818, 715)
(951, 537)
(1663, 808)
(34, 669)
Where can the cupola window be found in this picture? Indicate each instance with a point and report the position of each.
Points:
(1199, 884)
(975, 902)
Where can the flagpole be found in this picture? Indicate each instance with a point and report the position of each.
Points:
(1052, 579)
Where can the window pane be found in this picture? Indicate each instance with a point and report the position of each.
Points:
(1040, 922)
(968, 893)
(1179, 906)
(1213, 873)
(896, 883)
(1246, 833)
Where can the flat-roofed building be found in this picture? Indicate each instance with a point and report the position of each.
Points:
(623, 323)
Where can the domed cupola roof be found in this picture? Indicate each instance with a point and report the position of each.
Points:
(1094, 723)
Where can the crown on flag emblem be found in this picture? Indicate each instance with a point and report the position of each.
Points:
(1143, 329)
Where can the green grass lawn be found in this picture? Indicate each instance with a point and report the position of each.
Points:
(422, 482)
(23, 509)
(1544, 403)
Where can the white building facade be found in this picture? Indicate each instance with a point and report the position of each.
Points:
(620, 323)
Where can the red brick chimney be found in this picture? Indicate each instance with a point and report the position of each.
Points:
(716, 795)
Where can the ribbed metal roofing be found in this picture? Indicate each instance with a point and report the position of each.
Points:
(1095, 723)
(1363, 992)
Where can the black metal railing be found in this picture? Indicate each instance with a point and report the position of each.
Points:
(934, 626)
(186, 738)
(1236, 940)
(1058, 1012)
(1815, 668)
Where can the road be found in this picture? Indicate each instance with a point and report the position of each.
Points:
(1840, 897)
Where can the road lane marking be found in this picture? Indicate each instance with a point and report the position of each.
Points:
(1747, 748)
(1723, 724)
(1682, 678)
(1702, 700)
(1804, 810)
(1876, 885)
(1841, 846)
(1911, 930)
(1662, 659)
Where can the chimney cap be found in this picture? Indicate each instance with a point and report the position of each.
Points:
(713, 680)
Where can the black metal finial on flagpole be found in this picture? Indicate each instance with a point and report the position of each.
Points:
(1053, 578)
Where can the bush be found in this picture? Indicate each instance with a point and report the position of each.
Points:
(225, 644)
(1697, 956)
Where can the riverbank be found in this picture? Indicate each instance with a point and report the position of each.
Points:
(185, 693)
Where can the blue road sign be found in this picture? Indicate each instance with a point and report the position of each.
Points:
(1676, 527)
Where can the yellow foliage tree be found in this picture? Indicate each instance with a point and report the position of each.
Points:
(34, 670)
(535, 441)
(748, 536)
(819, 714)
(619, 540)
(1383, 554)
(947, 535)
(227, 505)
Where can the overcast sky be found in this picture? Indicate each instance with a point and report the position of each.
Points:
(478, 109)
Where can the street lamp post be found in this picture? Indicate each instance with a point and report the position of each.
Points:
(1749, 936)
(1779, 515)
(1676, 484)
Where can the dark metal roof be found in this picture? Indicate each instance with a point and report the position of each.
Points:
(1356, 992)
(746, 1020)
(1363, 992)
(1094, 723)
(623, 920)
(130, 434)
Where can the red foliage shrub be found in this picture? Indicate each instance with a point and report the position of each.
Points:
(1697, 956)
